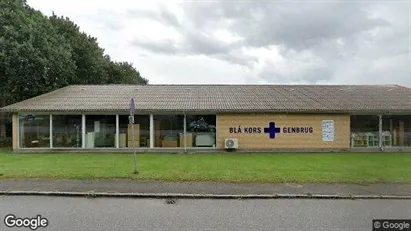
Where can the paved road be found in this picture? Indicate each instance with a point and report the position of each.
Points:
(154, 214)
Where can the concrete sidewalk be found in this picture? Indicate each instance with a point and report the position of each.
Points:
(209, 189)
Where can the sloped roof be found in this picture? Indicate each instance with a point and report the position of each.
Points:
(222, 98)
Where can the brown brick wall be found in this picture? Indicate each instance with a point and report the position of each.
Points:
(283, 140)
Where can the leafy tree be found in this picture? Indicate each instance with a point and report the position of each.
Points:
(34, 58)
(39, 54)
(93, 67)
(123, 73)
(86, 53)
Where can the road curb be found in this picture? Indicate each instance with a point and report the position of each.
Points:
(197, 196)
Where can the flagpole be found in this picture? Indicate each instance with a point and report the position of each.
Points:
(134, 149)
(131, 120)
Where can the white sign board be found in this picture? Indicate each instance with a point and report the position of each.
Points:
(328, 130)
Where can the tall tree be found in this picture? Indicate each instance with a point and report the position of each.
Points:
(34, 58)
(86, 53)
(39, 54)
(123, 73)
(93, 66)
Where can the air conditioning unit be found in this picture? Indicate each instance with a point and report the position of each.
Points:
(231, 143)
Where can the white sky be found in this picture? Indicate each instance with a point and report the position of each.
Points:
(250, 42)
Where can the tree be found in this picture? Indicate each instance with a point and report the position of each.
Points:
(34, 58)
(86, 53)
(93, 66)
(39, 54)
(123, 73)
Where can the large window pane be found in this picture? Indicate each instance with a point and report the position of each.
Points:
(34, 131)
(100, 131)
(364, 131)
(141, 131)
(67, 131)
(167, 130)
(201, 131)
(396, 130)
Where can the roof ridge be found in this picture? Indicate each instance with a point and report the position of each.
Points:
(221, 97)
(236, 85)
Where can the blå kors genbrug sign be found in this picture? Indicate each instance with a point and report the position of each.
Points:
(272, 130)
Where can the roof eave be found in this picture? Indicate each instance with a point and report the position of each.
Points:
(323, 111)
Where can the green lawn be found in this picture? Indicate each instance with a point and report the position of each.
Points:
(263, 168)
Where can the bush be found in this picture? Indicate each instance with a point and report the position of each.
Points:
(5, 142)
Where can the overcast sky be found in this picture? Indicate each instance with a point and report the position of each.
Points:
(251, 42)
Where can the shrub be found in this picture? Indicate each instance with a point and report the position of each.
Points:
(5, 142)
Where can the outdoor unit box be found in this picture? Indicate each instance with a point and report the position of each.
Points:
(231, 143)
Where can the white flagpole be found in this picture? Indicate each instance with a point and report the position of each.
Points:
(134, 149)
(131, 120)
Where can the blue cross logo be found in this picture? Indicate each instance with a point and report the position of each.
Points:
(272, 130)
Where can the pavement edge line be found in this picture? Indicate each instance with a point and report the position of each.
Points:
(92, 194)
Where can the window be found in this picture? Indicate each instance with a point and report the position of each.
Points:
(364, 131)
(67, 131)
(141, 128)
(396, 130)
(34, 131)
(100, 131)
(201, 131)
(168, 129)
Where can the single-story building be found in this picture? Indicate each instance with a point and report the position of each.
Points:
(214, 117)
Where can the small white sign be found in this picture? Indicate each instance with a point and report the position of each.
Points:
(328, 130)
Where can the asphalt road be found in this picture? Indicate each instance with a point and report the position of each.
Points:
(65, 214)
